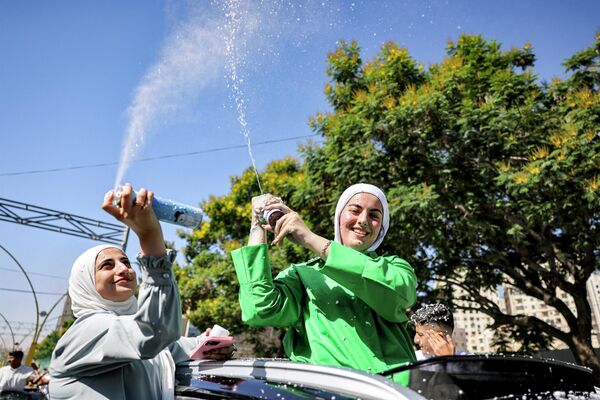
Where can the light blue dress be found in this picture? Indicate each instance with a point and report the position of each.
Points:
(108, 356)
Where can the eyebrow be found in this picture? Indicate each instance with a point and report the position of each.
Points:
(359, 206)
(102, 260)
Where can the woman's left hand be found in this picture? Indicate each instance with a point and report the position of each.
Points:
(221, 354)
(290, 224)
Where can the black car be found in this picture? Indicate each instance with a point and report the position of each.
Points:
(455, 377)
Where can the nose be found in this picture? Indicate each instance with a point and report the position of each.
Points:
(362, 219)
(122, 268)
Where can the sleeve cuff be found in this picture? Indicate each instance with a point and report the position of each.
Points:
(252, 263)
(157, 271)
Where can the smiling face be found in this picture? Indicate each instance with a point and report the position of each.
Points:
(360, 221)
(115, 279)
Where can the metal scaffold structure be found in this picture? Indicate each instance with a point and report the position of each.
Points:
(62, 222)
(59, 221)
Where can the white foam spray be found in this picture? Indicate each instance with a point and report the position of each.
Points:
(239, 36)
(191, 57)
(239, 23)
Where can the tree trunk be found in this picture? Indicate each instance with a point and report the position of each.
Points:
(584, 355)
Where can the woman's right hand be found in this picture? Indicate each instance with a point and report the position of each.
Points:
(257, 229)
(290, 225)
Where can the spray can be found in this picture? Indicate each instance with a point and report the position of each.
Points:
(271, 217)
(171, 211)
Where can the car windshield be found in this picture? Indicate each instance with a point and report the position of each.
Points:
(499, 377)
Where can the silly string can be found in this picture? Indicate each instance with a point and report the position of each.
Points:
(172, 211)
(271, 217)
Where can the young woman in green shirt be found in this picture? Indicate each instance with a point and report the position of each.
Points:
(346, 307)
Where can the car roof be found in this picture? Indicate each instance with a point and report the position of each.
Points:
(264, 378)
(448, 377)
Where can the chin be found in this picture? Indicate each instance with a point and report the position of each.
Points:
(123, 295)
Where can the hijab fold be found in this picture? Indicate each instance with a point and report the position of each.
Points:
(345, 198)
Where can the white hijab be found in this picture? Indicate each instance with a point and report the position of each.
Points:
(86, 299)
(345, 198)
(82, 287)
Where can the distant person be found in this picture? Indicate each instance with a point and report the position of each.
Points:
(434, 324)
(41, 381)
(15, 376)
(35, 367)
(346, 306)
(123, 347)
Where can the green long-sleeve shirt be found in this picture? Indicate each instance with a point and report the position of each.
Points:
(345, 311)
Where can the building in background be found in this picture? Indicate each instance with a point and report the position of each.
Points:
(471, 332)
(519, 303)
(470, 326)
(66, 314)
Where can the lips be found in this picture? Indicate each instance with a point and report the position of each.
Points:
(360, 232)
(122, 281)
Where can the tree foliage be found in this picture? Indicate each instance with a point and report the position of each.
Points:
(492, 176)
(529, 340)
(46, 347)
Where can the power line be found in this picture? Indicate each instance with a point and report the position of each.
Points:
(34, 273)
(29, 291)
(24, 324)
(176, 155)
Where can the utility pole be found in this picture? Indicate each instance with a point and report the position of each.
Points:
(37, 307)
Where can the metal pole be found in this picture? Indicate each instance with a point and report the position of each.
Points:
(125, 239)
(37, 307)
(46, 317)
(4, 352)
(11, 331)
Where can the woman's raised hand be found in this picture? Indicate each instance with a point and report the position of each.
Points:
(260, 204)
(290, 225)
(139, 216)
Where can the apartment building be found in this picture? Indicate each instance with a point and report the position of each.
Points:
(471, 333)
(519, 303)
(470, 326)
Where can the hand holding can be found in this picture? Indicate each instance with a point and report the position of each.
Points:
(270, 216)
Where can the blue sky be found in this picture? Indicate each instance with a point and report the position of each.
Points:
(76, 77)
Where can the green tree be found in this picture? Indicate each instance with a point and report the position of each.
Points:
(530, 340)
(493, 177)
